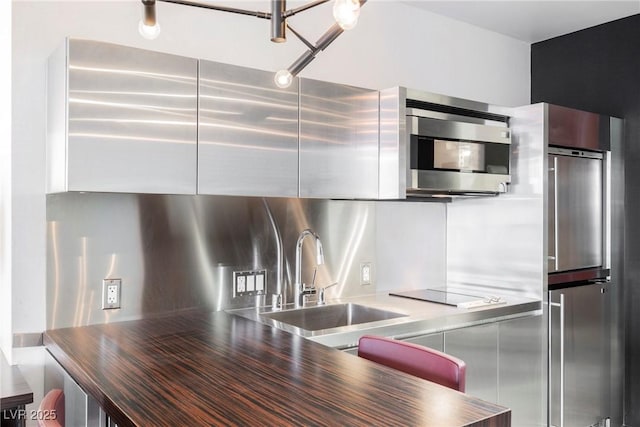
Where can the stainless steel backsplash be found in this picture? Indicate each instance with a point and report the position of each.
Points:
(498, 244)
(179, 252)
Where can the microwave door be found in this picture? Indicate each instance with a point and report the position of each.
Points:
(578, 212)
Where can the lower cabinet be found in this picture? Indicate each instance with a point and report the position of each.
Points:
(80, 409)
(434, 341)
(506, 364)
(478, 347)
(522, 372)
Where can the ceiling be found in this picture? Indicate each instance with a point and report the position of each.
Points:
(531, 21)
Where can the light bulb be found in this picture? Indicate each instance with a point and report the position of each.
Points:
(149, 32)
(346, 13)
(283, 79)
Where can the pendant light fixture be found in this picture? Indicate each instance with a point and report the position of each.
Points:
(148, 26)
(345, 13)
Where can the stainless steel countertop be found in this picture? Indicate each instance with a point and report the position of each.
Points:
(422, 318)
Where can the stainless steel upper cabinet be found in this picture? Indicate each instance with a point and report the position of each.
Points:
(338, 141)
(248, 133)
(121, 119)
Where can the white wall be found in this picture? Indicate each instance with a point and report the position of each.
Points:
(394, 44)
(5, 179)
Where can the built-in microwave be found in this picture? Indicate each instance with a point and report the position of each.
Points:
(457, 157)
(437, 145)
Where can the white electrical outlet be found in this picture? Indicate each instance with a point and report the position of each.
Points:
(241, 283)
(365, 273)
(249, 283)
(111, 293)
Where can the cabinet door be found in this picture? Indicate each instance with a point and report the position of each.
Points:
(338, 141)
(80, 409)
(575, 213)
(434, 341)
(477, 346)
(132, 120)
(248, 133)
(522, 371)
(580, 356)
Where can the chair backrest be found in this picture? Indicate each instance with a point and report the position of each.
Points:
(52, 409)
(414, 359)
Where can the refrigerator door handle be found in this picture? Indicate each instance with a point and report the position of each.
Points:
(554, 182)
(599, 281)
(561, 305)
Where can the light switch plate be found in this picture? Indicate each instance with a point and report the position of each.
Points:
(260, 281)
(111, 293)
(249, 283)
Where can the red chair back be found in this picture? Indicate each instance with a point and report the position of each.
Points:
(414, 359)
(52, 409)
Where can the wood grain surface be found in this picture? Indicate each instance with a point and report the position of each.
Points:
(205, 369)
(14, 390)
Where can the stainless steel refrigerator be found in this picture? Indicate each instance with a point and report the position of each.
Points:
(579, 280)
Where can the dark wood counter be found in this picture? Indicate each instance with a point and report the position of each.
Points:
(15, 394)
(14, 390)
(218, 369)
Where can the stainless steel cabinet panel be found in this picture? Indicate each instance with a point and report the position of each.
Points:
(248, 133)
(434, 341)
(522, 350)
(80, 409)
(579, 393)
(575, 213)
(478, 347)
(338, 141)
(130, 116)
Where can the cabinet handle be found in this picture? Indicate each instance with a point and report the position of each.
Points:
(561, 305)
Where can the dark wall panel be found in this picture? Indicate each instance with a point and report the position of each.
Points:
(594, 70)
(598, 69)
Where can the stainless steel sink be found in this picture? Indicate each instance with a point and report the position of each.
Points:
(331, 316)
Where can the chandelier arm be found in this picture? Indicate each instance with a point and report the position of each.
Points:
(299, 36)
(307, 6)
(278, 21)
(257, 14)
(325, 40)
(328, 37)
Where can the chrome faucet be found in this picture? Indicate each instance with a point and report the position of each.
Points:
(301, 290)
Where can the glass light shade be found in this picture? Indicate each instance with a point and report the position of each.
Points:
(283, 79)
(346, 13)
(149, 32)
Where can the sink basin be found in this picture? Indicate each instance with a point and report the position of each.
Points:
(331, 316)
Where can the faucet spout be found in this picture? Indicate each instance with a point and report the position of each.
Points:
(319, 251)
(279, 299)
(300, 289)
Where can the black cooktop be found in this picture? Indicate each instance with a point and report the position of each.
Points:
(441, 297)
